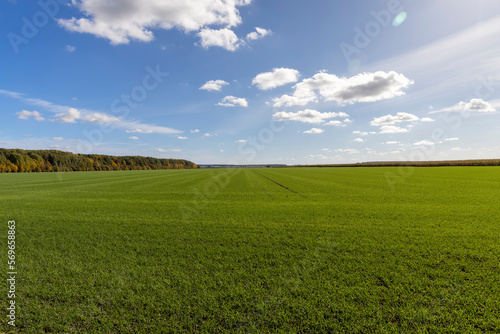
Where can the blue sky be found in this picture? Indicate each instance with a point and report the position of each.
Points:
(253, 81)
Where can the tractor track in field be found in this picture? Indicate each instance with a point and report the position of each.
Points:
(279, 184)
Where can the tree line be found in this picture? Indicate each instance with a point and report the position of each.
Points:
(484, 162)
(20, 161)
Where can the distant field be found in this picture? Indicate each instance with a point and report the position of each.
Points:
(289, 250)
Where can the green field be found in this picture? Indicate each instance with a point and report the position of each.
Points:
(291, 250)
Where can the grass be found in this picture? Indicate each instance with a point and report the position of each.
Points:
(295, 250)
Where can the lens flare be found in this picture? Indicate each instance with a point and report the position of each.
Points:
(400, 18)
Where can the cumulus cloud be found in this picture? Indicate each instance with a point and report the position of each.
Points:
(364, 87)
(25, 114)
(359, 140)
(307, 116)
(258, 34)
(424, 143)
(70, 116)
(224, 38)
(364, 133)
(232, 101)
(452, 139)
(194, 131)
(99, 118)
(134, 138)
(241, 141)
(391, 142)
(390, 119)
(392, 129)
(57, 138)
(477, 105)
(314, 131)
(120, 21)
(278, 77)
(426, 119)
(214, 85)
(182, 138)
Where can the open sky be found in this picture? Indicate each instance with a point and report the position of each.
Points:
(253, 81)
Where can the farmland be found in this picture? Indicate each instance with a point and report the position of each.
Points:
(285, 250)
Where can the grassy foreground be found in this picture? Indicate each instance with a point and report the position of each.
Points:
(295, 250)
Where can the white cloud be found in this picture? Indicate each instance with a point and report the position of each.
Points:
(224, 38)
(99, 118)
(318, 156)
(334, 123)
(364, 87)
(214, 85)
(359, 140)
(232, 101)
(390, 119)
(424, 143)
(392, 129)
(182, 138)
(134, 138)
(145, 128)
(451, 139)
(447, 65)
(55, 147)
(25, 114)
(478, 105)
(426, 119)
(241, 141)
(66, 114)
(258, 34)
(70, 48)
(278, 77)
(161, 150)
(138, 131)
(57, 138)
(364, 133)
(194, 131)
(459, 149)
(120, 21)
(392, 142)
(176, 150)
(307, 116)
(473, 105)
(70, 116)
(347, 150)
(314, 131)
(207, 135)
